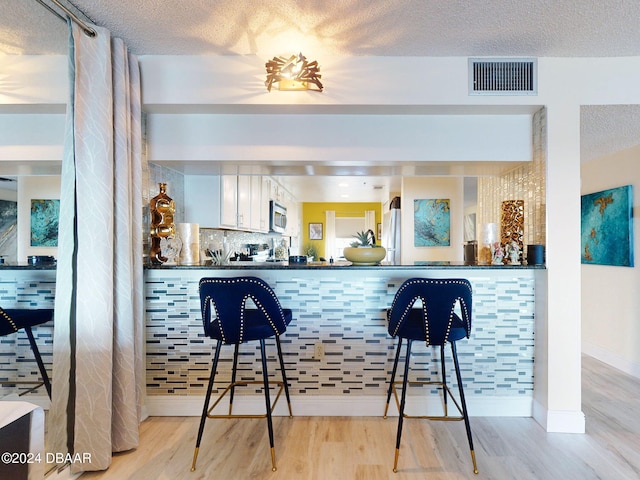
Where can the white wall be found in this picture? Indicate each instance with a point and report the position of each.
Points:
(610, 300)
(416, 188)
(358, 138)
(31, 138)
(39, 188)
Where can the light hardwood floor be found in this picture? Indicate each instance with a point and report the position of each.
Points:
(320, 448)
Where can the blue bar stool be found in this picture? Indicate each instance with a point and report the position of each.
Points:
(436, 323)
(234, 311)
(14, 319)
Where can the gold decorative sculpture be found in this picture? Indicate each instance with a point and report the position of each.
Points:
(512, 225)
(162, 209)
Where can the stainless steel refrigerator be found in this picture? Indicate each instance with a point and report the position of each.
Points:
(391, 232)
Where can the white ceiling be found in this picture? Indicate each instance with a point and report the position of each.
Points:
(341, 27)
(537, 28)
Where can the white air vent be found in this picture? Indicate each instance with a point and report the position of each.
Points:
(503, 76)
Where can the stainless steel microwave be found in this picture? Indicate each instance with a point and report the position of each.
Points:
(277, 217)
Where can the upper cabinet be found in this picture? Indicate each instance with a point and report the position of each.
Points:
(229, 202)
(235, 202)
(218, 201)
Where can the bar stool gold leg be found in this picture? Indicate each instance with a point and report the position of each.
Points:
(473, 459)
(273, 459)
(395, 461)
(195, 457)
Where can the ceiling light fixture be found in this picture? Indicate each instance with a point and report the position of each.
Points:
(293, 73)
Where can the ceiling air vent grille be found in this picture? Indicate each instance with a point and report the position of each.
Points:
(512, 76)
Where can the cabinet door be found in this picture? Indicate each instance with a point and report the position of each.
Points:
(264, 205)
(293, 223)
(229, 202)
(243, 190)
(256, 202)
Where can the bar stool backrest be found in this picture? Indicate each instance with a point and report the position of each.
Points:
(439, 298)
(7, 325)
(223, 302)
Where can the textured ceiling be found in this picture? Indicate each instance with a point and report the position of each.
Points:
(341, 27)
(360, 27)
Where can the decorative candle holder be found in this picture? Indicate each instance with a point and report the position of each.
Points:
(488, 238)
(189, 234)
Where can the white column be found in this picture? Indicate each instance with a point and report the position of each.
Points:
(557, 393)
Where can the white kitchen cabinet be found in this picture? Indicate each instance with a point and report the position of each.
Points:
(226, 201)
(265, 219)
(243, 191)
(259, 205)
(293, 217)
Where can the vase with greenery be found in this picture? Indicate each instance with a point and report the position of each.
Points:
(363, 250)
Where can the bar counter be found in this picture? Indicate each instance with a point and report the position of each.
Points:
(337, 350)
(337, 309)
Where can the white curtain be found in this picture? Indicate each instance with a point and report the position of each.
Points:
(330, 235)
(98, 379)
(370, 222)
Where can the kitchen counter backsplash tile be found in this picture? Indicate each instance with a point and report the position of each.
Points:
(26, 289)
(347, 316)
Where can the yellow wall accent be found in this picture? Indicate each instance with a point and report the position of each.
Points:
(315, 213)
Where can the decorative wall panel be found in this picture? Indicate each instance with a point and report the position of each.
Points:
(512, 222)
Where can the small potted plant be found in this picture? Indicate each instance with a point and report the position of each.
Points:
(310, 251)
(364, 251)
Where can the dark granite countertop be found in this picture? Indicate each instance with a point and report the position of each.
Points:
(285, 265)
(27, 266)
(339, 265)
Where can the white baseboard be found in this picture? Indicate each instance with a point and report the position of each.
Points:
(556, 421)
(612, 359)
(337, 406)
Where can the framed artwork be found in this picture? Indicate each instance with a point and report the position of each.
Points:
(315, 231)
(606, 235)
(44, 222)
(8, 229)
(431, 223)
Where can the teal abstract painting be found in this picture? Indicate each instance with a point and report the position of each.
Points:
(44, 223)
(431, 223)
(607, 227)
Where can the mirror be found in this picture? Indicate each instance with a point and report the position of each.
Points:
(28, 227)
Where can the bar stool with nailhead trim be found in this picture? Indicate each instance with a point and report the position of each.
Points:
(436, 323)
(234, 311)
(15, 319)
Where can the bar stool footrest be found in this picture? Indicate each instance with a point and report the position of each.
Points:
(280, 386)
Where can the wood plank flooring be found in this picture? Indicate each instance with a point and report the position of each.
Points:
(319, 448)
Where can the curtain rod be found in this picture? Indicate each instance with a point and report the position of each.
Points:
(87, 29)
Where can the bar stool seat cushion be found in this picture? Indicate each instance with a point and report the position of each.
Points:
(414, 328)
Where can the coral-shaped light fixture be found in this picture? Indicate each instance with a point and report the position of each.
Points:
(293, 73)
